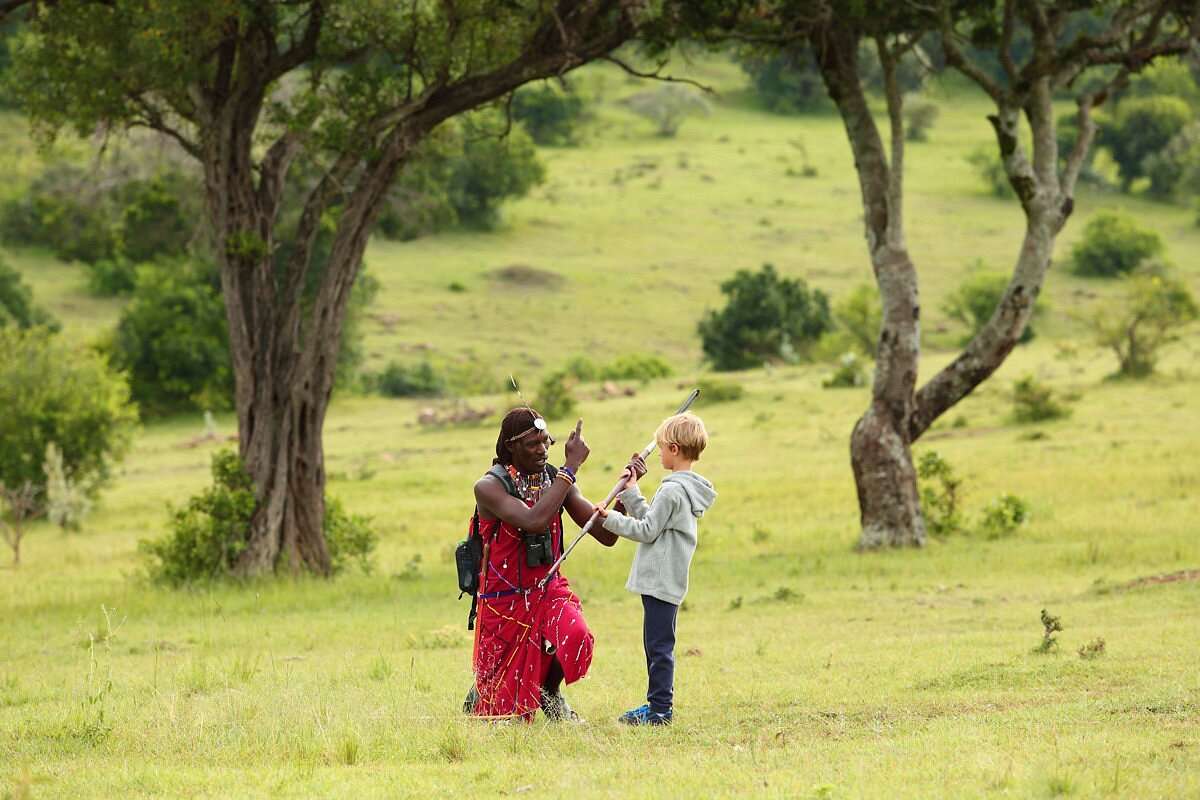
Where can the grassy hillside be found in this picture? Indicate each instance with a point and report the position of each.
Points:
(805, 669)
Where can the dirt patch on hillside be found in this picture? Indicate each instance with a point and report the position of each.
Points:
(523, 276)
(1166, 577)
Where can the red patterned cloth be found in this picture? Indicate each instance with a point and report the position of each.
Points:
(520, 634)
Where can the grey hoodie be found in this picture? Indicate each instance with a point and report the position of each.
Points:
(665, 531)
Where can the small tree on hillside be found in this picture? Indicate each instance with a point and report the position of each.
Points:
(1140, 128)
(20, 503)
(1149, 315)
(767, 318)
(668, 106)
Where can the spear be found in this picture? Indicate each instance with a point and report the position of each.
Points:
(616, 490)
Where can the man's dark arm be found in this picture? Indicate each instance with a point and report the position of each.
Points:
(494, 500)
(580, 509)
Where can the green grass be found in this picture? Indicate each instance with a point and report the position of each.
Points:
(805, 669)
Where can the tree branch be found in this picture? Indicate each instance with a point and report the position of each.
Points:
(657, 76)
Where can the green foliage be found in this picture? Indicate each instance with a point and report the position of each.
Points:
(1003, 516)
(636, 367)
(411, 380)
(67, 503)
(1149, 315)
(157, 216)
(766, 318)
(668, 106)
(1033, 401)
(860, 315)
(1113, 244)
(582, 368)
(940, 499)
(1141, 127)
(715, 391)
(16, 303)
(349, 537)
(491, 169)
(850, 373)
(1050, 626)
(976, 299)
(550, 114)
(53, 392)
(109, 277)
(1169, 77)
(554, 398)
(1176, 168)
(172, 339)
(919, 116)
(990, 168)
(208, 534)
(786, 81)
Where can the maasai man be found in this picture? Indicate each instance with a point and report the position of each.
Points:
(529, 640)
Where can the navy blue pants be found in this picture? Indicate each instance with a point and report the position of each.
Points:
(658, 637)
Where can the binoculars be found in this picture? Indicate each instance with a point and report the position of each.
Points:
(539, 548)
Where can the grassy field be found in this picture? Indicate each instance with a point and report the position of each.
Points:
(805, 669)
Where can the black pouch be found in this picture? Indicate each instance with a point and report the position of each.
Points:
(468, 558)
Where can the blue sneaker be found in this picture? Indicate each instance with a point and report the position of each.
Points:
(642, 715)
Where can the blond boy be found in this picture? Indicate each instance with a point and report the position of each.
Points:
(665, 531)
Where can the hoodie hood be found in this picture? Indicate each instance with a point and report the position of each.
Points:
(699, 492)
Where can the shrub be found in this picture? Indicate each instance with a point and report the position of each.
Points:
(976, 299)
(550, 115)
(109, 277)
(415, 380)
(860, 315)
(172, 340)
(990, 168)
(582, 368)
(668, 106)
(1141, 127)
(851, 372)
(1147, 317)
(1176, 168)
(554, 398)
(490, 169)
(636, 367)
(1035, 402)
(919, 116)
(66, 502)
(1003, 516)
(766, 318)
(52, 392)
(16, 303)
(940, 499)
(712, 391)
(1113, 244)
(208, 534)
(786, 81)
(157, 217)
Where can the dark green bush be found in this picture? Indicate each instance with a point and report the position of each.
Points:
(550, 115)
(554, 398)
(172, 339)
(1113, 244)
(1141, 127)
(582, 368)
(1035, 402)
(919, 116)
(109, 277)
(1176, 168)
(1003, 516)
(766, 318)
(16, 303)
(636, 367)
(54, 392)
(714, 391)
(786, 81)
(940, 499)
(158, 216)
(409, 380)
(209, 533)
(976, 299)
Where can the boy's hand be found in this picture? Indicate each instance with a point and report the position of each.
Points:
(600, 511)
(634, 470)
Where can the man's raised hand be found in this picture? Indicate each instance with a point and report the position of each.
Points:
(576, 448)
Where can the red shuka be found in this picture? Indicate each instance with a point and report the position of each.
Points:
(521, 633)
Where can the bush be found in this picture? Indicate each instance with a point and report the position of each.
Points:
(939, 495)
(415, 380)
(1141, 127)
(1035, 402)
(1113, 244)
(990, 168)
(786, 81)
(919, 116)
(490, 169)
(766, 318)
(554, 398)
(582, 368)
(1148, 316)
(1003, 516)
(549, 114)
(109, 277)
(851, 372)
(16, 303)
(1176, 168)
(712, 391)
(668, 106)
(52, 392)
(860, 315)
(636, 367)
(66, 501)
(976, 299)
(209, 533)
(157, 216)
(172, 339)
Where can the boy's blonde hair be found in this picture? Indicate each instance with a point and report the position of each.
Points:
(686, 431)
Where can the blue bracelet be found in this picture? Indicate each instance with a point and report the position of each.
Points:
(569, 471)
